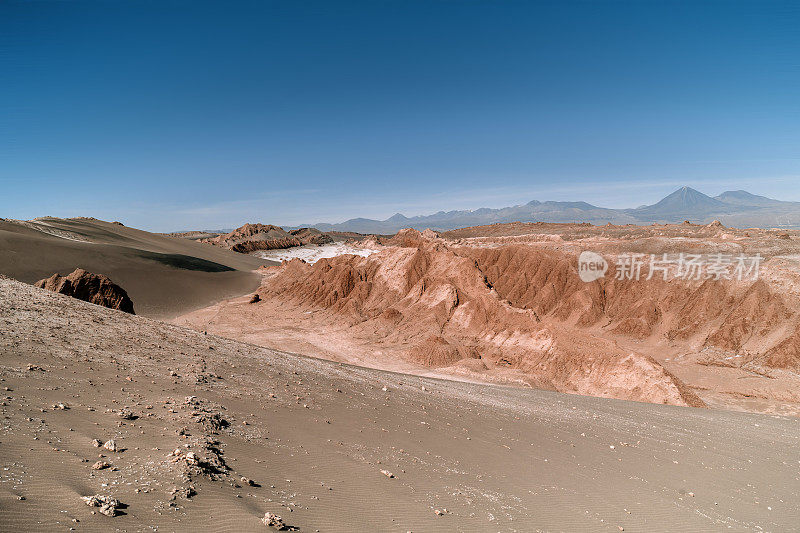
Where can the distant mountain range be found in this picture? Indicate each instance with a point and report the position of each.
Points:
(732, 208)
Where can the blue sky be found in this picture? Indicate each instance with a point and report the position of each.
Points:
(177, 115)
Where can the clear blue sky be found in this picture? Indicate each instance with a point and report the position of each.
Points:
(176, 115)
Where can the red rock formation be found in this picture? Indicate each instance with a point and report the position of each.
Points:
(524, 308)
(92, 288)
(435, 351)
(252, 237)
(409, 237)
(718, 313)
(785, 354)
(464, 307)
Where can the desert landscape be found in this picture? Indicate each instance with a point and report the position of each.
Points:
(164, 276)
(417, 387)
(399, 266)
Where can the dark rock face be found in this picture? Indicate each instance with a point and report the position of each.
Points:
(311, 236)
(252, 237)
(93, 288)
(272, 244)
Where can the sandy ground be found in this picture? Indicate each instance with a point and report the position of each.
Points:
(314, 436)
(164, 276)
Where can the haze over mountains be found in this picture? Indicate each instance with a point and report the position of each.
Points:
(732, 208)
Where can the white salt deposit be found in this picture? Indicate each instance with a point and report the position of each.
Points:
(313, 253)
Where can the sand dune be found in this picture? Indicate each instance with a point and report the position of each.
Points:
(164, 276)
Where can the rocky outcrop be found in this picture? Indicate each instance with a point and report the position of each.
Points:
(252, 237)
(436, 351)
(93, 288)
(409, 237)
(311, 236)
(267, 244)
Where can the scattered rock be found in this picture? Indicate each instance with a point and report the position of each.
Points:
(212, 466)
(100, 465)
(125, 414)
(387, 473)
(111, 445)
(108, 505)
(274, 521)
(184, 492)
(255, 299)
(97, 443)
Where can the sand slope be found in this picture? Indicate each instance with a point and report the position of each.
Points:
(164, 276)
(319, 433)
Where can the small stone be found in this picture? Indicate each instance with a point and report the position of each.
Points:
(108, 505)
(111, 445)
(100, 465)
(97, 443)
(274, 521)
(387, 473)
